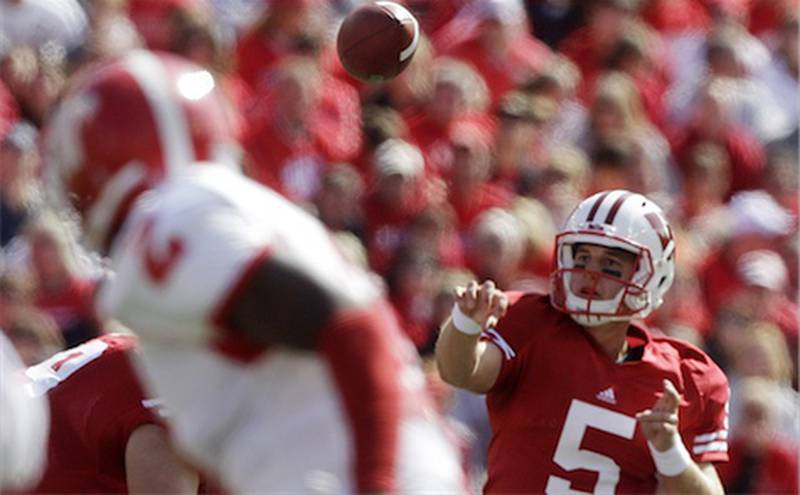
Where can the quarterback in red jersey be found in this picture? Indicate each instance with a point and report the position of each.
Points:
(581, 399)
(104, 433)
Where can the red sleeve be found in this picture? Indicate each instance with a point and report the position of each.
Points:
(365, 364)
(512, 335)
(707, 436)
(121, 409)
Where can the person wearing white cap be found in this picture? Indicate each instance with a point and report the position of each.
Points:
(763, 268)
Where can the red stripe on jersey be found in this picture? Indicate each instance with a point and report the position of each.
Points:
(365, 363)
(227, 340)
(596, 206)
(612, 213)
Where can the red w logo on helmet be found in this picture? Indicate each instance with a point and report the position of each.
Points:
(662, 229)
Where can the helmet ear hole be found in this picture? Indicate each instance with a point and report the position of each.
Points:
(661, 282)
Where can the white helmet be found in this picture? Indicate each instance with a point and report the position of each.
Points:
(623, 220)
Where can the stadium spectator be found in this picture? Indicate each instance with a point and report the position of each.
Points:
(521, 142)
(637, 53)
(712, 121)
(559, 80)
(762, 461)
(557, 368)
(491, 35)
(459, 98)
(35, 78)
(411, 281)
(286, 28)
(338, 201)
(20, 195)
(563, 182)
(755, 221)
(538, 231)
(616, 115)
(62, 289)
(304, 121)
(34, 334)
(590, 45)
(616, 164)
(396, 196)
(496, 247)
(760, 351)
(553, 20)
(470, 191)
(706, 181)
(36, 23)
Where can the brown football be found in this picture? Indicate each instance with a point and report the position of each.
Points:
(377, 41)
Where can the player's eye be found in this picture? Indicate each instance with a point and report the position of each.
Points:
(612, 272)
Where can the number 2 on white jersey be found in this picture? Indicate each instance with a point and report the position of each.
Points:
(570, 456)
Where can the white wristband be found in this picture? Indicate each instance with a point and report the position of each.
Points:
(672, 461)
(464, 323)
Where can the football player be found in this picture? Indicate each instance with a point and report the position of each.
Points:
(23, 424)
(105, 434)
(279, 361)
(582, 398)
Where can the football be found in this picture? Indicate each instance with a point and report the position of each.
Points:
(377, 41)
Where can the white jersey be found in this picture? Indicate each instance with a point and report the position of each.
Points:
(266, 421)
(24, 424)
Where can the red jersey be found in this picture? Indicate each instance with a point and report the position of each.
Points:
(563, 412)
(96, 402)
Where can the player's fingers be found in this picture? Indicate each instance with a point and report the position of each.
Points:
(472, 290)
(485, 294)
(502, 304)
(669, 399)
(657, 417)
(467, 299)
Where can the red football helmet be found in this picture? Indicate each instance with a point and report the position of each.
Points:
(126, 125)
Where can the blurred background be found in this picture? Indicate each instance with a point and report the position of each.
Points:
(466, 164)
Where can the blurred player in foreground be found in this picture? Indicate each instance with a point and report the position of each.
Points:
(280, 362)
(582, 399)
(23, 425)
(105, 435)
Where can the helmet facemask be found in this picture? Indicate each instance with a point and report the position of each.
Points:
(631, 298)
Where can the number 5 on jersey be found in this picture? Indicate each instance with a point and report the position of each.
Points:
(570, 456)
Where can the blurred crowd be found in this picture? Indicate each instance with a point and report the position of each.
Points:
(466, 164)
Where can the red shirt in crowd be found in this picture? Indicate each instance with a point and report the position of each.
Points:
(525, 56)
(676, 15)
(746, 154)
(293, 161)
